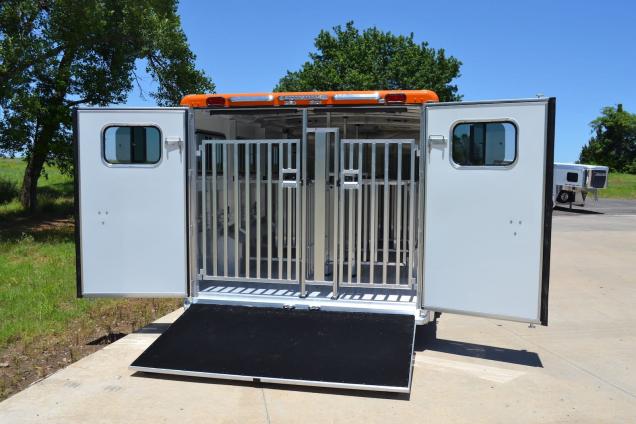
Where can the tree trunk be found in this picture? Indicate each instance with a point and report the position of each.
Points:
(35, 163)
(50, 124)
(28, 196)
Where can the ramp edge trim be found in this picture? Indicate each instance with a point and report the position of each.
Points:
(335, 385)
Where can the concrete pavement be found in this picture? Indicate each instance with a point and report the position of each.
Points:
(580, 369)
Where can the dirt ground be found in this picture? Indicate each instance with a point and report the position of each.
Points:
(27, 360)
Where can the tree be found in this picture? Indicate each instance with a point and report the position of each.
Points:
(57, 54)
(613, 142)
(373, 60)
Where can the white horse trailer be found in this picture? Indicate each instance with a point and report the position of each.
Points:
(309, 233)
(574, 181)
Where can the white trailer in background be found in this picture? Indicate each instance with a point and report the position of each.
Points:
(574, 181)
(310, 233)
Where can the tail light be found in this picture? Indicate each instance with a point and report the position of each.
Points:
(395, 98)
(215, 101)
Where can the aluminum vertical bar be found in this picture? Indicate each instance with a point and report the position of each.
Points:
(297, 238)
(337, 222)
(247, 210)
(236, 209)
(351, 200)
(279, 211)
(372, 212)
(269, 211)
(225, 209)
(385, 225)
(204, 220)
(359, 216)
(258, 210)
(215, 243)
(398, 215)
(302, 150)
(366, 194)
(320, 210)
(340, 214)
(290, 211)
(411, 214)
(405, 222)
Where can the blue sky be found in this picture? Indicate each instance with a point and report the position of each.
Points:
(583, 53)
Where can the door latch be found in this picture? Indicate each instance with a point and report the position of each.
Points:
(437, 141)
(174, 142)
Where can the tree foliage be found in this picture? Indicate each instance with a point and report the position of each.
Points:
(56, 54)
(348, 59)
(613, 142)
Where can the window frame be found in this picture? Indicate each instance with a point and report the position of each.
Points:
(567, 176)
(132, 164)
(507, 166)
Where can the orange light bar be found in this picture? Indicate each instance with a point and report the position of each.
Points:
(311, 98)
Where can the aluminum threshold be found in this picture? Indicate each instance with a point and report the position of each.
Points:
(308, 303)
(337, 349)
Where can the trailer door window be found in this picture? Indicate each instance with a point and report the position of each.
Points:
(572, 177)
(484, 144)
(132, 145)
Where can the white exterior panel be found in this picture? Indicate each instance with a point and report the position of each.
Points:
(483, 233)
(132, 217)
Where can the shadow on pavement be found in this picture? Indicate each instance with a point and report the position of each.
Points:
(154, 328)
(511, 356)
(577, 211)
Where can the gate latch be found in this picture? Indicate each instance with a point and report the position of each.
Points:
(289, 178)
(350, 178)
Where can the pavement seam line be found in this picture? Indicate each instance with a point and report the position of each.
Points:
(265, 405)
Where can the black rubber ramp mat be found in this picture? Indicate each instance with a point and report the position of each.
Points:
(357, 350)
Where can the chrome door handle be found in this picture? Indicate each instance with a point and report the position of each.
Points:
(437, 141)
(172, 142)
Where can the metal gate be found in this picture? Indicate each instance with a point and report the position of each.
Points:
(377, 213)
(358, 198)
(249, 205)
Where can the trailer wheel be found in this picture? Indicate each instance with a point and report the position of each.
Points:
(565, 197)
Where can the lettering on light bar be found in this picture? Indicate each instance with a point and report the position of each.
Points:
(239, 99)
(357, 96)
(295, 97)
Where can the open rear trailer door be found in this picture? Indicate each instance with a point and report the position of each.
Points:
(131, 202)
(488, 208)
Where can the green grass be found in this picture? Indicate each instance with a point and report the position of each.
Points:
(619, 186)
(55, 191)
(36, 290)
(37, 268)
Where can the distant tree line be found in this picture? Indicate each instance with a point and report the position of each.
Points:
(613, 142)
(371, 59)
